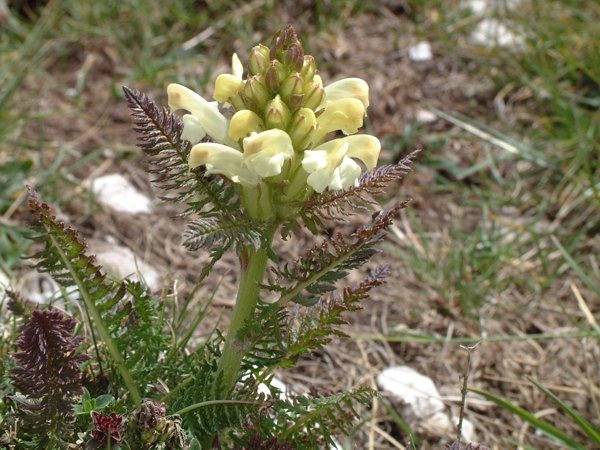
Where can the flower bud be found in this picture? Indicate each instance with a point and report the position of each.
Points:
(287, 48)
(226, 87)
(303, 125)
(259, 60)
(243, 123)
(292, 85)
(277, 114)
(275, 75)
(296, 102)
(256, 90)
(237, 101)
(309, 68)
(294, 58)
(314, 94)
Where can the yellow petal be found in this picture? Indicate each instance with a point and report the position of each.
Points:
(237, 68)
(192, 130)
(226, 87)
(364, 147)
(243, 123)
(265, 153)
(344, 114)
(348, 88)
(223, 160)
(322, 163)
(212, 121)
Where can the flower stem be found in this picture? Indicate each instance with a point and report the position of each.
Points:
(253, 265)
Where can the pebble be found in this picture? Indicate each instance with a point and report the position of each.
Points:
(420, 52)
(120, 262)
(491, 32)
(116, 192)
(420, 402)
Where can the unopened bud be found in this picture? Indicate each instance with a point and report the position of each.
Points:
(275, 75)
(237, 101)
(309, 68)
(292, 85)
(314, 94)
(277, 114)
(243, 123)
(294, 57)
(296, 102)
(256, 90)
(259, 60)
(226, 87)
(303, 124)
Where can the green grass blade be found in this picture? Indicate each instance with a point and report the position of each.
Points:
(401, 423)
(586, 426)
(498, 138)
(540, 424)
(576, 267)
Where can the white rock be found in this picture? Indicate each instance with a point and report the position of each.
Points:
(491, 32)
(420, 52)
(120, 262)
(468, 431)
(424, 116)
(476, 6)
(481, 7)
(118, 193)
(438, 424)
(415, 390)
(4, 283)
(277, 383)
(41, 288)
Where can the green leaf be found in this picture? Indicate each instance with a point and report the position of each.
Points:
(586, 426)
(540, 424)
(310, 301)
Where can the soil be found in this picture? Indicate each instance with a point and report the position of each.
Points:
(368, 46)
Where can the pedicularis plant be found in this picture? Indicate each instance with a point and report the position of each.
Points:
(262, 169)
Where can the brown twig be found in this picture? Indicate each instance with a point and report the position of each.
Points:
(463, 389)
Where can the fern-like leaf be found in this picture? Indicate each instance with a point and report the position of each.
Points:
(159, 132)
(48, 374)
(321, 267)
(200, 401)
(124, 314)
(207, 232)
(312, 421)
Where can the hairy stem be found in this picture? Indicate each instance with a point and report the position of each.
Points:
(253, 265)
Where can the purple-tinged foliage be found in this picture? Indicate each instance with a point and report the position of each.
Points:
(47, 373)
(108, 430)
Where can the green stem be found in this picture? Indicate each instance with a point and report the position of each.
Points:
(196, 406)
(253, 266)
(99, 325)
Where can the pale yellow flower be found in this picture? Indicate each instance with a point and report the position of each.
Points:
(348, 88)
(345, 114)
(223, 160)
(330, 164)
(243, 123)
(266, 152)
(207, 114)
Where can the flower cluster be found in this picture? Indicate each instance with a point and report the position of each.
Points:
(282, 116)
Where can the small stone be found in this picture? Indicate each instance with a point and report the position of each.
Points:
(277, 383)
(120, 262)
(424, 116)
(416, 391)
(41, 288)
(420, 52)
(119, 194)
(492, 32)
